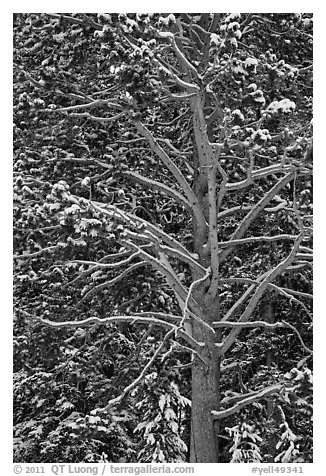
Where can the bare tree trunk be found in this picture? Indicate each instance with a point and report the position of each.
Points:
(268, 316)
(206, 368)
(205, 398)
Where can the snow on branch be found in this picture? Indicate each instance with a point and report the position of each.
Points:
(113, 281)
(171, 146)
(247, 400)
(184, 84)
(191, 288)
(185, 258)
(183, 61)
(287, 324)
(254, 239)
(269, 277)
(244, 209)
(295, 293)
(96, 102)
(135, 382)
(173, 330)
(78, 21)
(288, 293)
(270, 170)
(141, 224)
(178, 175)
(230, 313)
(37, 253)
(176, 319)
(96, 266)
(169, 275)
(132, 319)
(264, 325)
(108, 265)
(158, 186)
(102, 120)
(242, 183)
(254, 212)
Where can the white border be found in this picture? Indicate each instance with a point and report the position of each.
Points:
(319, 195)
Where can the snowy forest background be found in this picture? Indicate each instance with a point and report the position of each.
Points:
(163, 237)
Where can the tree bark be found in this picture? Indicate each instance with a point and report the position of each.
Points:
(206, 368)
(205, 398)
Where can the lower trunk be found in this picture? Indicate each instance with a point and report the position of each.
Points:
(205, 398)
(268, 316)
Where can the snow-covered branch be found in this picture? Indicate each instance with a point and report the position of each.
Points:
(102, 120)
(37, 253)
(257, 239)
(269, 277)
(185, 258)
(288, 293)
(247, 400)
(132, 319)
(254, 212)
(113, 281)
(169, 274)
(191, 197)
(89, 105)
(190, 87)
(141, 224)
(264, 325)
(154, 184)
(183, 61)
(240, 302)
(134, 383)
(107, 265)
(242, 325)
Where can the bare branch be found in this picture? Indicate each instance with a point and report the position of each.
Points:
(169, 274)
(288, 293)
(37, 253)
(263, 324)
(185, 258)
(158, 186)
(103, 120)
(97, 102)
(183, 60)
(229, 315)
(112, 282)
(254, 212)
(191, 288)
(140, 224)
(191, 197)
(247, 400)
(269, 277)
(130, 319)
(255, 239)
(78, 21)
(134, 383)
(107, 265)
(184, 84)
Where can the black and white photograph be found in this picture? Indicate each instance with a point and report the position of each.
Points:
(163, 239)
